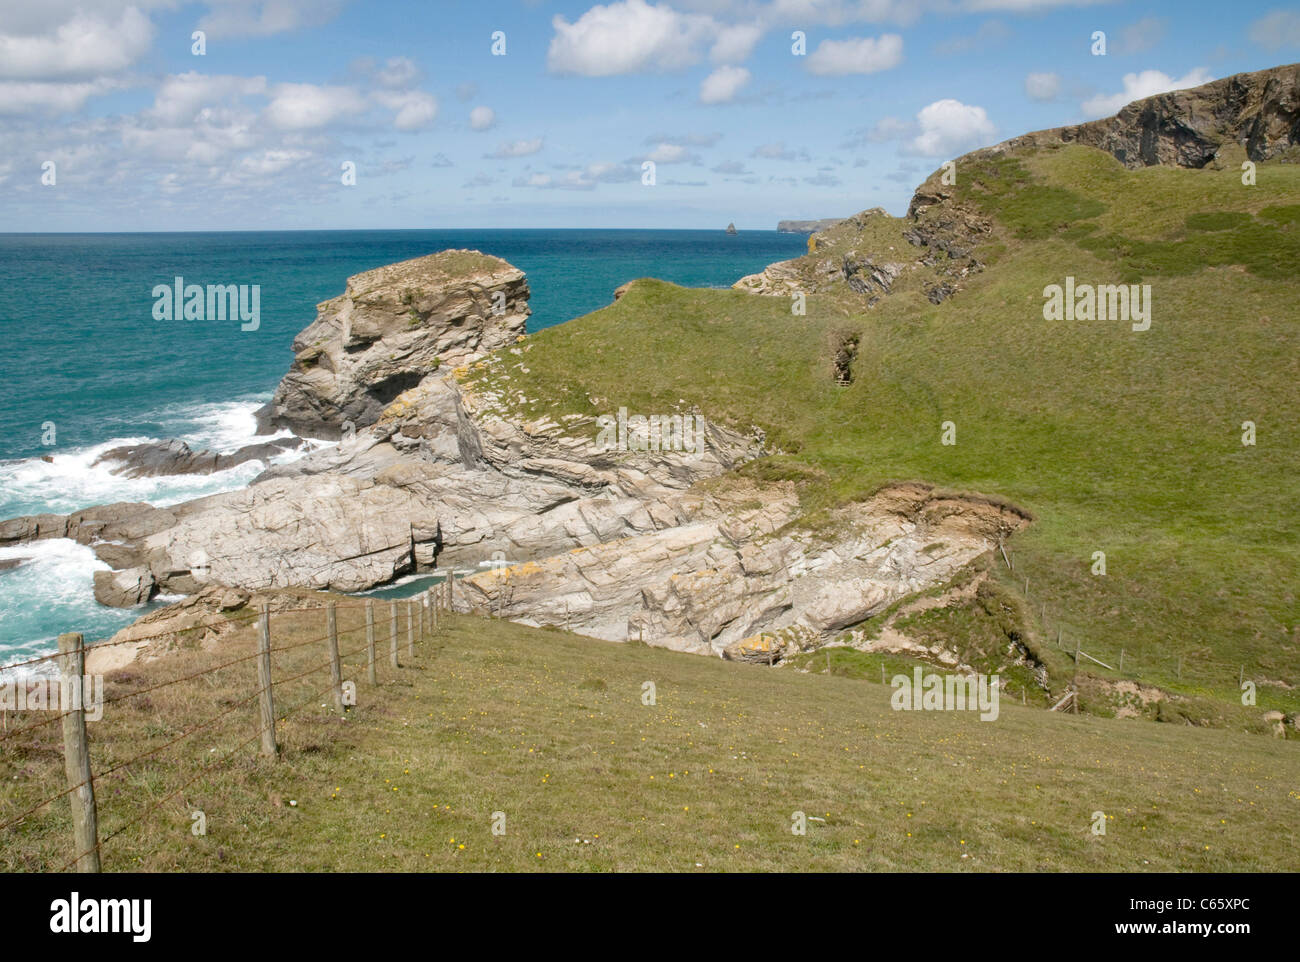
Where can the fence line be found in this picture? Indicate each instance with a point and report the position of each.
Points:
(1208, 664)
(81, 779)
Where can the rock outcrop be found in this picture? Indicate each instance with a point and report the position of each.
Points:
(937, 244)
(1259, 111)
(725, 573)
(164, 458)
(391, 328)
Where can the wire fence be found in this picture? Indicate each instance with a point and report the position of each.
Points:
(1135, 663)
(410, 621)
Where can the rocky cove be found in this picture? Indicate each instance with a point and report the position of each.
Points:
(431, 471)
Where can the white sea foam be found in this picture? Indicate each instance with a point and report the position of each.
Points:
(49, 593)
(52, 592)
(71, 480)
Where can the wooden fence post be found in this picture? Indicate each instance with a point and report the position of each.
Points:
(336, 669)
(264, 682)
(410, 629)
(371, 675)
(76, 754)
(419, 613)
(1121, 659)
(392, 630)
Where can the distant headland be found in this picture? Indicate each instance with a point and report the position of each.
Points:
(807, 226)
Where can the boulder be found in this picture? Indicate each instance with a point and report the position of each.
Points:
(127, 588)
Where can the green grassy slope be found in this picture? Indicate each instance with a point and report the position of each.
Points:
(1117, 441)
(550, 729)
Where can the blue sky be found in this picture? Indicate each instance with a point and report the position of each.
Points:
(255, 133)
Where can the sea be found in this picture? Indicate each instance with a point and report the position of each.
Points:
(85, 366)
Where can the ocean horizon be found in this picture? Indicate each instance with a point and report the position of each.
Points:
(89, 368)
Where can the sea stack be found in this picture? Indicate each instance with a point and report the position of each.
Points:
(391, 328)
(731, 228)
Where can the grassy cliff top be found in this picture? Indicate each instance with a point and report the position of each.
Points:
(1120, 441)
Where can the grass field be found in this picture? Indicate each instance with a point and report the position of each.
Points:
(551, 730)
(1122, 442)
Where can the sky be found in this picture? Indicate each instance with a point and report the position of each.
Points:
(329, 114)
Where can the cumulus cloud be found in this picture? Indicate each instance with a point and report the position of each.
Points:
(518, 148)
(413, 109)
(669, 154)
(949, 126)
(1043, 86)
(181, 98)
(1137, 86)
(584, 179)
(50, 97)
(397, 72)
(297, 106)
(482, 118)
(85, 45)
(859, 55)
(735, 43)
(723, 84)
(627, 37)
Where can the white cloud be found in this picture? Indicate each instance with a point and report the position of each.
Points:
(482, 118)
(49, 97)
(723, 84)
(949, 126)
(735, 43)
(261, 18)
(519, 148)
(181, 97)
(1138, 86)
(304, 106)
(627, 37)
(1043, 86)
(1143, 35)
(84, 45)
(858, 55)
(585, 179)
(670, 154)
(1281, 28)
(397, 72)
(414, 109)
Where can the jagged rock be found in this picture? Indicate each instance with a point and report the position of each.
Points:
(164, 458)
(390, 329)
(865, 277)
(9, 564)
(127, 588)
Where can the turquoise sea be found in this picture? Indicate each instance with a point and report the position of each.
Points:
(86, 365)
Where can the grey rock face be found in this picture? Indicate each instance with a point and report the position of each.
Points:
(127, 588)
(390, 329)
